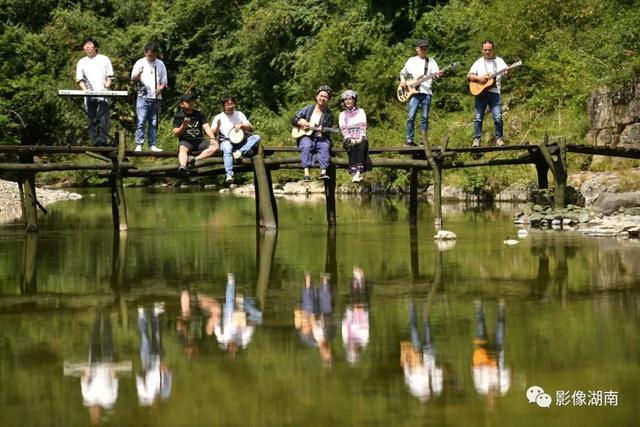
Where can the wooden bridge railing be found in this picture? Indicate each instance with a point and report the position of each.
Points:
(117, 163)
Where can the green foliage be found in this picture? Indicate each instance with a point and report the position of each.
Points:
(272, 55)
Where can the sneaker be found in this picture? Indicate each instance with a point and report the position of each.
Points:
(156, 149)
(229, 179)
(476, 142)
(138, 148)
(307, 178)
(237, 154)
(409, 144)
(499, 142)
(356, 177)
(191, 161)
(183, 171)
(323, 176)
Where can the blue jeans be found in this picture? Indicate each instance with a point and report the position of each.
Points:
(480, 104)
(417, 100)
(228, 148)
(307, 146)
(98, 112)
(147, 112)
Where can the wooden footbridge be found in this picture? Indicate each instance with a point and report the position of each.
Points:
(117, 164)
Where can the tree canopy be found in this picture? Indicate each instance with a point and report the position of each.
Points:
(272, 54)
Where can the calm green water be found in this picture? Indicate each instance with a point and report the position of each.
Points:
(561, 312)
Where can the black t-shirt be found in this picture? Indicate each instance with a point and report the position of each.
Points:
(194, 132)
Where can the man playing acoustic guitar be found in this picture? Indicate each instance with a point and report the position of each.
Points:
(480, 71)
(317, 118)
(415, 67)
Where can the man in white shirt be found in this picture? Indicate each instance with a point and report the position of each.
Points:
(226, 122)
(95, 72)
(415, 67)
(151, 76)
(488, 65)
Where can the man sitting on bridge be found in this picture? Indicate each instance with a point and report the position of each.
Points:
(188, 125)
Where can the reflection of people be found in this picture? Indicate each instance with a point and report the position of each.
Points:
(188, 126)
(189, 323)
(95, 72)
(353, 125)
(313, 319)
(99, 382)
(156, 376)
(421, 374)
(355, 324)
(319, 116)
(415, 67)
(151, 75)
(239, 315)
(223, 123)
(487, 65)
(490, 376)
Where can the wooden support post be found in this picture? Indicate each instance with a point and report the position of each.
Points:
(28, 278)
(413, 248)
(542, 170)
(118, 202)
(266, 215)
(118, 282)
(331, 258)
(436, 165)
(413, 196)
(29, 200)
(559, 171)
(265, 251)
(330, 195)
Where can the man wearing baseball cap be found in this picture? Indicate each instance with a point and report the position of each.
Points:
(188, 127)
(415, 67)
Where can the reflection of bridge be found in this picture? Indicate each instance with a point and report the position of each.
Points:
(548, 281)
(116, 164)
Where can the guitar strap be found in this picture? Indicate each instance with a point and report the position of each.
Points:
(426, 65)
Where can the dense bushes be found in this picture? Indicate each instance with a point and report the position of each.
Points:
(272, 53)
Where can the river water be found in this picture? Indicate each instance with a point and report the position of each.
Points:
(195, 319)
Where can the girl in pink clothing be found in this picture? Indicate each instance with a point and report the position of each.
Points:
(353, 125)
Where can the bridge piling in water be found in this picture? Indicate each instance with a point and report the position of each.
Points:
(115, 163)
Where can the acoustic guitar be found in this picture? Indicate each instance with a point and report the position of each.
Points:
(298, 132)
(477, 88)
(404, 93)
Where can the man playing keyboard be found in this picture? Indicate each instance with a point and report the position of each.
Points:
(95, 72)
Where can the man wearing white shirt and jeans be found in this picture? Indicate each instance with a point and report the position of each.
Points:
(415, 67)
(488, 65)
(151, 75)
(224, 123)
(95, 72)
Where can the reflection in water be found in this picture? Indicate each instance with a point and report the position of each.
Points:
(490, 376)
(239, 317)
(418, 359)
(99, 382)
(155, 379)
(355, 324)
(584, 283)
(313, 319)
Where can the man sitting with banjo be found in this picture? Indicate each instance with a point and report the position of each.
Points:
(232, 127)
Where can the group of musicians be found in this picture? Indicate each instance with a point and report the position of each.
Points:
(94, 72)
